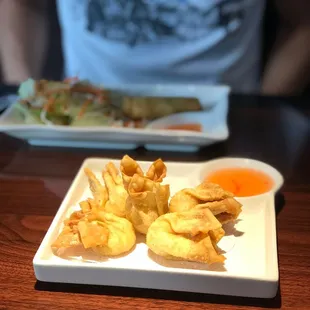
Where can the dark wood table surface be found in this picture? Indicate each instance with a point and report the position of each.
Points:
(33, 182)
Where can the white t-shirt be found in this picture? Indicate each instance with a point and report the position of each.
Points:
(163, 41)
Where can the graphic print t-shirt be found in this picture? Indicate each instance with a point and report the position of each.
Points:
(163, 41)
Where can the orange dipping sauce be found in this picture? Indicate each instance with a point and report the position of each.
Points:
(191, 127)
(242, 182)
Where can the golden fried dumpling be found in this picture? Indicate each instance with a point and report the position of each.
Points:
(157, 171)
(190, 235)
(129, 167)
(68, 237)
(105, 233)
(108, 234)
(93, 234)
(88, 205)
(116, 191)
(207, 195)
(147, 200)
(226, 210)
(98, 190)
(188, 198)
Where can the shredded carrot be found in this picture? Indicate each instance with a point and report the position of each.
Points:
(86, 103)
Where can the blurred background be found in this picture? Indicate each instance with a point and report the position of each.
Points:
(53, 67)
(54, 63)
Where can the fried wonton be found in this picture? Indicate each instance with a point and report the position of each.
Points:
(103, 232)
(210, 196)
(147, 200)
(98, 190)
(117, 194)
(68, 237)
(157, 171)
(129, 167)
(190, 235)
(108, 234)
(88, 205)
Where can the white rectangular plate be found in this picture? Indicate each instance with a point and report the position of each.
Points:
(251, 267)
(213, 98)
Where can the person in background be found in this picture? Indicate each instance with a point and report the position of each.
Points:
(159, 41)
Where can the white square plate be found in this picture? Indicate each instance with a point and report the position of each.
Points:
(214, 99)
(251, 267)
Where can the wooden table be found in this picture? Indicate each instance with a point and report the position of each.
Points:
(33, 182)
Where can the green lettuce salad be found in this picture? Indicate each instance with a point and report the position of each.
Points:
(66, 103)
